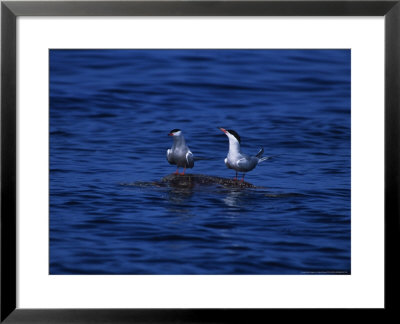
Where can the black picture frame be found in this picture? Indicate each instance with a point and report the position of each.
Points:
(10, 10)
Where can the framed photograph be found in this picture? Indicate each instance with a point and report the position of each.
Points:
(188, 160)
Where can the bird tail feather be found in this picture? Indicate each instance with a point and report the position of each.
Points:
(265, 158)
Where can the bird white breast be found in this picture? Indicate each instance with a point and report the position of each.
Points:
(228, 165)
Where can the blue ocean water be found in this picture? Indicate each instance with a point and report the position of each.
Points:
(110, 114)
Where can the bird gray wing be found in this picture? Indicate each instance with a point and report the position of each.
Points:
(170, 158)
(247, 163)
(242, 163)
(189, 159)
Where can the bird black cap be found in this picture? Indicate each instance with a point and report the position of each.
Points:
(231, 131)
(175, 130)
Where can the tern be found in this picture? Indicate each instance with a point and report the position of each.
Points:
(179, 154)
(238, 161)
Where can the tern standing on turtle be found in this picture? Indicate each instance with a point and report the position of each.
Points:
(238, 161)
(179, 154)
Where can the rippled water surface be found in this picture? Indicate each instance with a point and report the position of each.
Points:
(110, 113)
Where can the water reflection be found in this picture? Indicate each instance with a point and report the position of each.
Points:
(179, 195)
(233, 198)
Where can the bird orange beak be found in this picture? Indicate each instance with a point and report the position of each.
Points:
(222, 129)
(170, 134)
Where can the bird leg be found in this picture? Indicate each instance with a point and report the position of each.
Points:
(235, 176)
(177, 171)
(243, 178)
(183, 173)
